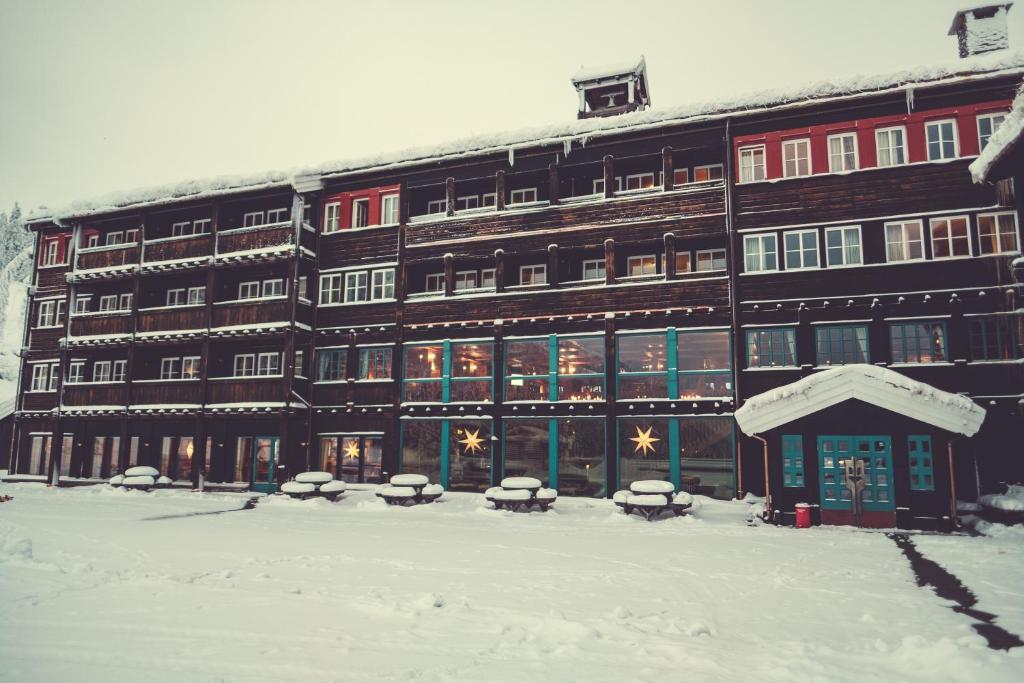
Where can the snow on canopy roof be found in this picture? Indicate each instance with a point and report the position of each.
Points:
(1003, 140)
(1003, 62)
(608, 71)
(868, 383)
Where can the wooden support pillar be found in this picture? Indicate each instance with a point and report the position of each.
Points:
(670, 255)
(199, 454)
(553, 188)
(609, 176)
(499, 190)
(610, 426)
(499, 271)
(497, 428)
(449, 274)
(552, 265)
(449, 196)
(668, 169)
(609, 261)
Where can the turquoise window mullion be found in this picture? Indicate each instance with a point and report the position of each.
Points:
(553, 453)
(672, 356)
(674, 467)
(446, 377)
(552, 367)
(445, 433)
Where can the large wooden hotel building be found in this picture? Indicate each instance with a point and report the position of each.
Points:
(590, 304)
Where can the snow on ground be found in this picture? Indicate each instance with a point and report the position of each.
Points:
(98, 584)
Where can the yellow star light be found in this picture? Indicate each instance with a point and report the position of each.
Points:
(644, 441)
(352, 449)
(472, 442)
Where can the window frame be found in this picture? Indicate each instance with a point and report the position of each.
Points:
(331, 359)
(1007, 331)
(201, 299)
(195, 363)
(333, 290)
(386, 286)
(793, 144)
(949, 236)
(751, 150)
(275, 216)
(40, 378)
(360, 293)
(272, 367)
(242, 286)
(843, 154)
(464, 274)
(828, 332)
(903, 359)
(171, 299)
(922, 475)
(534, 269)
(904, 242)
(709, 167)
(436, 277)
(257, 219)
(801, 249)
(244, 365)
(170, 367)
(384, 360)
(788, 337)
(642, 258)
(101, 371)
(955, 140)
(332, 218)
(385, 211)
(983, 142)
(888, 130)
(712, 269)
(108, 303)
(46, 313)
(762, 254)
(599, 265)
(995, 216)
(842, 230)
(268, 286)
(360, 210)
(640, 177)
(523, 193)
(793, 461)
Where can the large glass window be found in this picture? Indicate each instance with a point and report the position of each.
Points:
(580, 368)
(918, 342)
(771, 347)
(472, 371)
(330, 364)
(643, 366)
(706, 456)
(527, 369)
(421, 448)
(329, 454)
(841, 344)
(526, 449)
(424, 371)
(704, 363)
(643, 449)
(469, 455)
(996, 338)
(375, 363)
(581, 457)
(554, 368)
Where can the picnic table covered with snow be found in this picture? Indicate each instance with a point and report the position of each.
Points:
(313, 484)
(409, 488)
(521, 493)
(651, 497)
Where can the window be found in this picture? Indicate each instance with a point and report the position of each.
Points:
(941, 138)
(170, 368)
(375, 363)
(108, 302)
(903, 241)
(792, 460)
(950, 237)
(435, 282)
(114, 238)
(524, 195)
(528, 370)
(710, 260)
(197, 295)
(47, 316)
(201, 226)
(640, 181)
(132, 235)
(268, 364)
(987, 124)
(918, 342)
(681, 176)
(997, 233)
(40, 377)
(383, 284)
(437, 206)
(252, 218)
(841, 344)
(118, 370)
(50, 255)
(175, 297)
(101, 371)
(190, 366)
(355, 286)
(771, 347)
(82, 304)
(465, 279)
(599, 185)
(760, 253)
(593, 269)
(683, 264)
(124, 302)
(801, 249)
(300, 363)
(643, 366)
(842, 246)
(796, 158)
(181, 229)
(487, 278)
(360, 213)
(76, 372)
(489, 199)
(423, 373)
(332, 217)
(472, 371)
(276, 216)
(249, 290)
(330, 288)
(751, 164)
(330, 364)
(389, 209)
(890, 146)
(704, 362)
(469, 202)
(92, 241)
(703, 174)
(303, 292)
(996, 338)
(245, 365)
(579, 373)
(641, 265)
(842, 152)
(273, 287)
(533, 275)
(919, 453)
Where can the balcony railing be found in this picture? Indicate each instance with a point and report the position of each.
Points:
(250, 312)
(245, 390)
(92, 258)
(177, 248)
(114, 322)
(255, 237)
(95, 394)
(167, 392)
(171, 318)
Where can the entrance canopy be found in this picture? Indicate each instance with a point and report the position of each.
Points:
(868, 383)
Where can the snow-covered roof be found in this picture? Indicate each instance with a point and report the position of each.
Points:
(1006, 137)
(958, 18)
(595, 73)
(868, 383)
(7, 405)
(1004, 62)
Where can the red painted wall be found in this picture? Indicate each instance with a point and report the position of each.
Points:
(63, 239)
(346, 198)
(967, 132)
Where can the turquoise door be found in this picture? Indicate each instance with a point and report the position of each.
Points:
(875, 451)
(264, 464)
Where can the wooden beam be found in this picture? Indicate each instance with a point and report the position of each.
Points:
(609, 176)
(670, 255)
(609, 261)
(499, 190)
(553, 190)
(668, 169)
(449, 274)
(552, 265)
(449, 196)
(499, 271)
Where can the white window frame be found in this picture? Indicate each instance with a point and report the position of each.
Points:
(357, 292)
(52, 251)
(389, 209)
(124, 302)
(196, 295)
(92, 240)
(269, 288)
(794, 144)
(745, 169)
(436, 206)
(842, 153)
(382, 284)
(904, 241)
(842, 230)
(170, 368)
(244, 365)
(176, 297)
(641, 259)
(330, 288)
(523, 193)
(253, 219)
(489, 199)
(817, 249)
(200, 226)
(956, 139)
(685, 174)
(275, 216)
(108, 303)
(598, 266)
(76, 371)
(599, 185)
(761, 266)
(46, 314)
(982, 142)
(488, 278)
(131, 236)
(640, 177)
(357, 204)
(119, 371)
(466, 275)
(949, 237)
(534, 270)
(101, 371)
(995, 216)
(708, 168)
(191, 366)
(332, 217)
(437, 278)
(268, 364)
(888, 131)
(113, 238)
(250, 285)
(178, 229)
(40, 378)
(82, 302)
(712, 269)
(467, 202)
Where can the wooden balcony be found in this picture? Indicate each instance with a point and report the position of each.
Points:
(245, 390)
(167, 392)
(51, 278)
(112, 323)
(107, 257)
(177, 248)
(254, 312)
(88, 394)
(259, 237)
(43, 400)
(170, 319)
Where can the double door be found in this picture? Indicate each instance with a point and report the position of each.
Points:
(834, 451)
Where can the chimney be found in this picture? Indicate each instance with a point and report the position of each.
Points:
(611, 90)
(981, 29)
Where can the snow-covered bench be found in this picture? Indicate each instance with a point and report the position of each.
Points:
(313, 484)
(521, 493)
(409, 488)
(650, 498)
(1005, 508)
(140, 478)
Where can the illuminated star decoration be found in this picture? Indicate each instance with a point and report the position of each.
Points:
(644, 441)
(352, 449)
(472, 442)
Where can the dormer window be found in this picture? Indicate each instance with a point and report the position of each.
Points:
(617, 89)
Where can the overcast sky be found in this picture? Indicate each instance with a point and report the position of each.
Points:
(101, 95)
